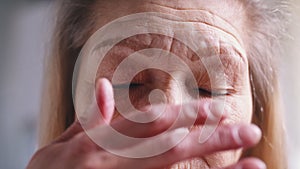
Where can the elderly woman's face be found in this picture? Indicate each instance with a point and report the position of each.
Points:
(222, 22)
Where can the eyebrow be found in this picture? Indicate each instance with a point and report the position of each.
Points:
(228, 55)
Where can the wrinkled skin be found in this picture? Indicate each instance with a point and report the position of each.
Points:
(199, 12)
(217, 20)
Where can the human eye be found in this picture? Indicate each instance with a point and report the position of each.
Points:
(131, 85)
(211, 92)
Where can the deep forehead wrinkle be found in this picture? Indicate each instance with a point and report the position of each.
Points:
(203, 35)
(224, 15)
(210, 19)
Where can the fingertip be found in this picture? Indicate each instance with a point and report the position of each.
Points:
(103, 83)
(104, 90)
(250, 134)
(251, 163)
(105, 98)
(260, 164)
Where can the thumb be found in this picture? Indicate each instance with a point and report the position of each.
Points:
(101, 109)
(105, 99)
(105, 103)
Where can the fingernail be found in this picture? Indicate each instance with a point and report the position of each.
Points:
(261, 165)
(249, 134)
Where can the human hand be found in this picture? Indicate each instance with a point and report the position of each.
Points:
(75, 148)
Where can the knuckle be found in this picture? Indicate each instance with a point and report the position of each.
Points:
(99, 160)
(235, 137)
(87, 164)
(223, 136)
(82, 144)
(228, 137)
(180, 150)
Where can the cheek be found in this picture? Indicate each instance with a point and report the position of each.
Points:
(220, 160)
(240, 110)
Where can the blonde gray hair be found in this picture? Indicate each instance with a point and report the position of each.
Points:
(267, 22)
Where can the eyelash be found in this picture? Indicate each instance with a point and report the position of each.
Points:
(209, 93)
(127, 85)
(201, 91)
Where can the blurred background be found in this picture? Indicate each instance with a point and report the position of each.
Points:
(25, 30)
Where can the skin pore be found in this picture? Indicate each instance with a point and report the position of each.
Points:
(220, 20)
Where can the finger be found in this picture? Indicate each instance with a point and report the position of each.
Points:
(105, 99)
(248, 163)
(101, 109)
(106, 105)
(225, 138)
(169, 117)
(74, 129)
(174, 117)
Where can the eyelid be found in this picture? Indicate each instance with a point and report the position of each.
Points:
(215, 92)
(126, 85)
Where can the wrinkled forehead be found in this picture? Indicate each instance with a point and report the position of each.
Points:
(226, 15)
(215, 20)
(218, 22)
